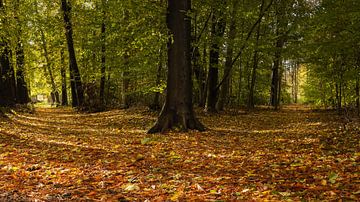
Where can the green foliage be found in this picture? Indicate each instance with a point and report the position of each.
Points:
(323, 36)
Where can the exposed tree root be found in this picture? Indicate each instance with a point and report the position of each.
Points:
(178, 121)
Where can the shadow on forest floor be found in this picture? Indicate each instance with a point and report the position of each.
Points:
(295, 153)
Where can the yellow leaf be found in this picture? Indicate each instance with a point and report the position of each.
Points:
(265, 192)
(176, 196)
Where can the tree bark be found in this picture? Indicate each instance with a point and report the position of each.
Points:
(77, 91)
(338, 97)
(103, 55)
(22, 93)
(240, 86)
(217, 32)
(177, 111)
(198, 67)
(7, 79)
(64, 96)
(357, 92)
(125, 102)
(155, 105)
(203, 81)
(7, 73)
(49, 68)
(275, 81)
(225, 87)
(251, 102)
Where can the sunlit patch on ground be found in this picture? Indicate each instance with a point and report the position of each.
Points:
(57, 154)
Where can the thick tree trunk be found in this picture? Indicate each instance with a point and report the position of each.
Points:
(7, 74)
(217, 32)
(64, 96)
(22, 93)
(77, 92)
(103, 56)
(177, 111)
(275, 80)
(7, 77)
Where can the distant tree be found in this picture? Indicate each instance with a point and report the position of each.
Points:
(178, 110)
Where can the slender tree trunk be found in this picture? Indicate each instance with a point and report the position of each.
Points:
(294, 82)
(125, 102)
(225, 87)
(280, 33)
(125, 85)
(357, 91)
(64, 96)
(338, 97)
(280, 84)
(251, 103)
(217, 32)
(199, 68)
(357, 87)
(156, 102)
(178, 110)
(239, 93)
(203, 81)
(108, 79)
(103, 55)
(77, 92)
(49, 68)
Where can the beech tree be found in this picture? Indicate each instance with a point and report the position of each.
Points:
(77, 91)
(13, 86)
(178, 110)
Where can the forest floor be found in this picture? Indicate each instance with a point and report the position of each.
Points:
(295, 154)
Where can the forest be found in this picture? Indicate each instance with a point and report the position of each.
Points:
(180, 100)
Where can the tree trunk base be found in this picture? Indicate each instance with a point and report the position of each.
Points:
(176, 121)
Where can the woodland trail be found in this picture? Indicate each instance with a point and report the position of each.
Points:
(56, 154)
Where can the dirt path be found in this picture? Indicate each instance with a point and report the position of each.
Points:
(56, 154)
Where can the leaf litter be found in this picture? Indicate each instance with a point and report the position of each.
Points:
(293, 154)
